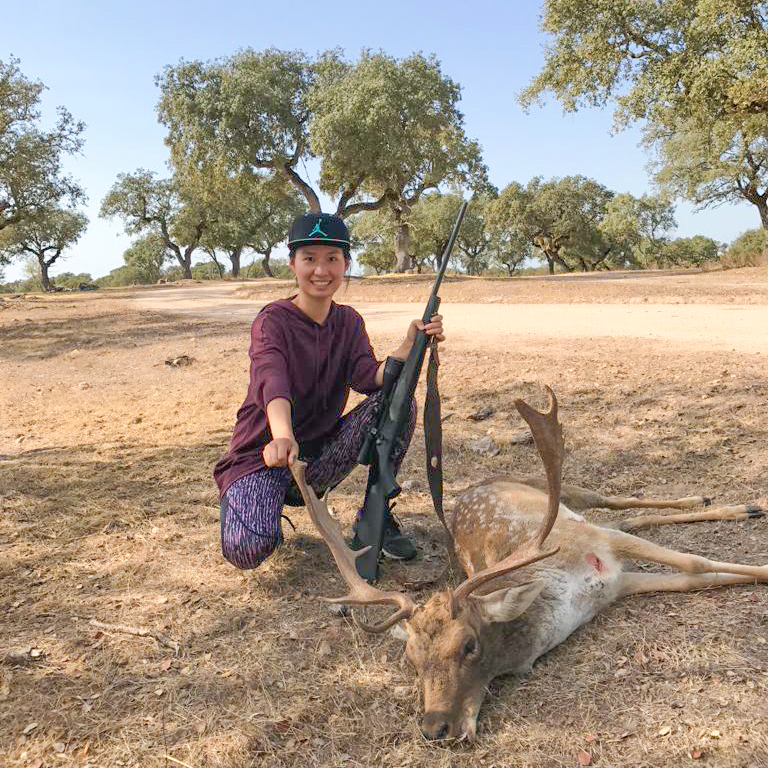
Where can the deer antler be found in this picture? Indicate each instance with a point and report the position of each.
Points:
(548, 435)
(360, 591)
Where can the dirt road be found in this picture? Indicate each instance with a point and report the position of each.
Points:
(484, 326)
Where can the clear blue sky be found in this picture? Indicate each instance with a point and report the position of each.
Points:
(99, 61)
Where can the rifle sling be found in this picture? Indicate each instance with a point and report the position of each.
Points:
(433, 437)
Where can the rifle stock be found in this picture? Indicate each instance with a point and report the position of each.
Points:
(393, 420)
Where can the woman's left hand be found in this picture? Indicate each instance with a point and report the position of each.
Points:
(433, 328)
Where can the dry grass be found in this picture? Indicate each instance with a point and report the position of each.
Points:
(109, 518)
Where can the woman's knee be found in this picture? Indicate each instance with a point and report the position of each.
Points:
(250, 531)
(249, 552)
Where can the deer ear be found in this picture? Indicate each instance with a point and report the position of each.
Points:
(508, 603)
(399, 632)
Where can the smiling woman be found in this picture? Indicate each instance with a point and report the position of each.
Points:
(319, 257)
(306, 353)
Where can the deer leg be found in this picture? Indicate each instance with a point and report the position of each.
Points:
(637, 583)
(584, 499)
(579, 499)
(633, 547)
(736, 512)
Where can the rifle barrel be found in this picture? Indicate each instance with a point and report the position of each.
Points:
(448, 248)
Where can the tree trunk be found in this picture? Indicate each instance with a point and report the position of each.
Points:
(265, 263)
(186, 262)
(44, 278)
(561, 261)
(402, 247)
(762, 207)
(212, 255)
(234, 257)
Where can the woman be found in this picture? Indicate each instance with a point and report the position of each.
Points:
(306, 353)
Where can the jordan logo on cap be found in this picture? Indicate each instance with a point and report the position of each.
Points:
(317, 231)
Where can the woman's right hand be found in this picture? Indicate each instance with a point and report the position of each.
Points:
(281, 452)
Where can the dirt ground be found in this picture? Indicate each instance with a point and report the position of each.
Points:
(109, 513)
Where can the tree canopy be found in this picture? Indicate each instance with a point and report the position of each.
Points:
(147, 204)
(637, 229)
(246, 213)
(145, 258)
(658, 59)
(384, 130)
(44, 236)
(694, 72)
(559, 217)
(31, 176)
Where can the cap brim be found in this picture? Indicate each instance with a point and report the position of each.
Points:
(318, 241)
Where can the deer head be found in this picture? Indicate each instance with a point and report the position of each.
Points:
(454, 639)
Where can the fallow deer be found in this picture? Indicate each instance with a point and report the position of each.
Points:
(501, 619)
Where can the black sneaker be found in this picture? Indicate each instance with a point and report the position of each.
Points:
(395, 545)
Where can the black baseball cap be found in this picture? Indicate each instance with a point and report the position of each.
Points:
(318, 229)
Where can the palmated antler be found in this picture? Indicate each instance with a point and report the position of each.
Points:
(360, 591)
(548, 435)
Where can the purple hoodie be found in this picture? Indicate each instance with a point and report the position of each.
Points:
(312, 365)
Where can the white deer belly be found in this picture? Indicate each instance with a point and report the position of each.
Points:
(568, 601)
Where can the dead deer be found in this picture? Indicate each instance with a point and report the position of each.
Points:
(501, 619)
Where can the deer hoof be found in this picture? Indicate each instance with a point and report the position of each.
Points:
(707, 501)
(340, 609)
(754, 511)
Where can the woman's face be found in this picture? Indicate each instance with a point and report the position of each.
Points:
(319, 269)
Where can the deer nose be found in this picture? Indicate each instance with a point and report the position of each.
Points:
(435, 726)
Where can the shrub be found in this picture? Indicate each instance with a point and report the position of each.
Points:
(749, 249)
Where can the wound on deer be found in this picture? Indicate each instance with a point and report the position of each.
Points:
(595, 562)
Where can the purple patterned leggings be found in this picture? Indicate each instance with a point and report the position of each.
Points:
(251, 507)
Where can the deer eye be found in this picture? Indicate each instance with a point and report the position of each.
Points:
(469, 647)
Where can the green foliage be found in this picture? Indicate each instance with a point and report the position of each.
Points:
(174, 272)
(146, 204)
(482, 244)
(43, 236)
(385, 130)
(279, 268)
(206, 270)
(749, 249)
(636, 229)
(30, 283)
(690, 252)
(377, 259)
(388, 129)
(31, 177)
(559, 217)
(120, 276)
(243, 113)
(694, 72)
(429, 224)
(511, 244)
(71, 281)
(247, 212)
(145, 258)
(431, 221)
(372, 235)
(711, 164)
(659, 59)
(477, 243)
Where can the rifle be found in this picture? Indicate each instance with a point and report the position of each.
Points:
(399, 384)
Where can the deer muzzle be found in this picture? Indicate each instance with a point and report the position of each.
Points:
(451, 714)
